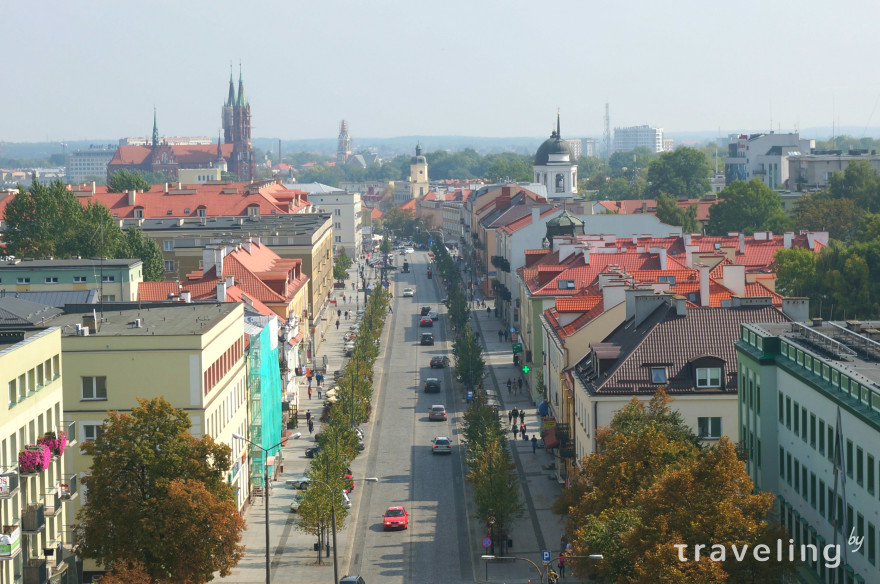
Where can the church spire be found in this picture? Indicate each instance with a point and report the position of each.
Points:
(558, 127)
(242, 101)
(155, 129)
(230, 101)
(219, 149)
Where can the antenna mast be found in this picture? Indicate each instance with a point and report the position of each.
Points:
(607, 136)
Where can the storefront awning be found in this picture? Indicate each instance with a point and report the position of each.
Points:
(550, 440)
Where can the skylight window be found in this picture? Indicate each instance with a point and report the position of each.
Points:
(658, 375)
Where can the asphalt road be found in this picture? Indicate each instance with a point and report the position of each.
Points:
(436, 547)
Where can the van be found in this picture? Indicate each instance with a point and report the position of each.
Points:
(352, 580)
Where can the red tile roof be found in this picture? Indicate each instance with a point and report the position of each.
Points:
(184, 154)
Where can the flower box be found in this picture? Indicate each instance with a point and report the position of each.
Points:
(34, 458)
(56, 444)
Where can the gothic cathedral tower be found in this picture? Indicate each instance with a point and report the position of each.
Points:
(236, 120)
(343, 146)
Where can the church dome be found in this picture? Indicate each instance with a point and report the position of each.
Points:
(553, 145)
(418, 158)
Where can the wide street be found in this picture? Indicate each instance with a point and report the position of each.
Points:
(443, 542)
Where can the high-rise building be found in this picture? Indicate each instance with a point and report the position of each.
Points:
(93, 162)
(626, 139)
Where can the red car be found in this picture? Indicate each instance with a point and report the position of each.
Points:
(395, 518)
(426, 321)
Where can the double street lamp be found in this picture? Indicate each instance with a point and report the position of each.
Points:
(541, 572)
(333, 521)
(265, 494)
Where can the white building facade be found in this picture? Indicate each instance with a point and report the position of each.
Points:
(346, 212)
(626, 139)
(555, 166)
(765, 157)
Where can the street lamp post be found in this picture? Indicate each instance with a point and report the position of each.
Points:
(265, 495)
(541, 573)
(333, 522)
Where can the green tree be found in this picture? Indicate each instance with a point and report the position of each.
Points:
(670, 213)
(135, 245)
(684, 172)
(385, 245)
(124, 180)
(796, 272)
(860, 183)
(42, 221)
(747, 207)
(148, 471)
(469, 364)
(341, 265)
(839, 217)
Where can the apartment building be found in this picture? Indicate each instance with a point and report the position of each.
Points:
(37, 482)
(809, 414)
(630, 138)
(116, 280)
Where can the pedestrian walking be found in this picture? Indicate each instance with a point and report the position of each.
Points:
(319, 392)
(515, 430)
(519, 383)
(337, 324)
(509, 384)
(308, 416)
(510, 417)
(311, 426)
(522, 430)
(522, 416)
(310, 392)
(500, 335)
(488, 311)
(515, 413)
(346, 315)
(506, 335)
(309, 377)
(561, 565)
(319, 378)
(338, 313)
(343, 299)
(534, 444)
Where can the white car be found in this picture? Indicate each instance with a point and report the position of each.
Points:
(408, 292)
(409, 250)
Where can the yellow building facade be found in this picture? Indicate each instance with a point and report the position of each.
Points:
(37, 484)
(418, 174)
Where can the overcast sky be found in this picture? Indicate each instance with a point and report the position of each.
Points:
(95, 69)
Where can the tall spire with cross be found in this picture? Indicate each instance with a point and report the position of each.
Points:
(155, 129)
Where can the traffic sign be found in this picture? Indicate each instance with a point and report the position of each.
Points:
(487, 542)
(545, 556)
(513, 330)
(517, 347)
(526, 369)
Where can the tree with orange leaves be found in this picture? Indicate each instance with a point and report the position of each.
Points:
(650, 486)
(158, 501)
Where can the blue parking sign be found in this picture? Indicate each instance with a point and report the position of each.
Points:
(545, 556)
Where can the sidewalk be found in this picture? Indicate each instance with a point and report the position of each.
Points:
(293, 558)
(539, 529)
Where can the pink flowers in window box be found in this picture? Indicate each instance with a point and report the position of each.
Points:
(56, 444)
(34, 458)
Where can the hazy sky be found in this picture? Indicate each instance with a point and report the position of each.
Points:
(95, 69)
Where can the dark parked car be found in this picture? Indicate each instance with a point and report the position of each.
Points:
(439, 361)
(427, 339)
(425, 310)
(432, 385)
(426, 321)
(311, 451)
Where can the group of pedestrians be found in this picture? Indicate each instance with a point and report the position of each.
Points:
(503, 335)
(319, 379)
(514, 387)
(309, 421)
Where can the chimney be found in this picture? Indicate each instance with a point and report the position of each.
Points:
(630, 295)
(797, 309)
(186, 296)
(787, 238)
(811, 240)
(90, 322)
(686, 239)
(734, 278)
(221, 291)
(661, 255)
(179, 186)
(230, 281)
(613, 294)
(131, 197)
(689, 254)
(536, 215)
(854, 325)
(635, 239)
(246, 245)
(166, 188)
(93, 187)
(742, 243)
(681, 304)
(646, 304)
(704, 283)
(817, 321)
(256, 239)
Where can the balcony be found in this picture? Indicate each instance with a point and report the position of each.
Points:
(69, 489)
(9, 483)
(33, 520)
(68, 428)
(10, 541)
(35, 571)
(53, 502)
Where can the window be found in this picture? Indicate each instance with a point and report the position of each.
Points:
(169, 265)
(168, 245)
(79, 279)
(813, 430)
(139, 213)
(821, 436)
(708, 377)
(804, 424)
(13, 392)
(92, 431)
(337, 212)
(670, 279)
(871, 476)
(781, 462)
(337, 226)
(108, 278)
(797, 476)
(788, 468)
(860, 465)
(658, 375)
(788, 412)
(871, 544)
(822, 498)
(187, 211)
(781, 410)
(797, 418)
(849, 458)
(709, 427)
(201, 212)
(94, 387)
(337, 239)
(23, 281)
(813, 489)
(51, 279)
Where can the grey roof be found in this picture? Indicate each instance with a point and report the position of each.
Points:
(156, 319)
(18, 312)
(311, 188)
(57, 299)
(673, 342)
(300, 223)
(29, 264)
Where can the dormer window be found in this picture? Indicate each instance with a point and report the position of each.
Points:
(202, 212)
(708, 377)
(670, 279)
(186, 210)
(658, 375)
(138, 212)
(566, 284)
(253, 211)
